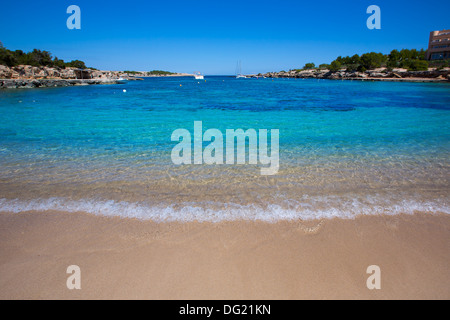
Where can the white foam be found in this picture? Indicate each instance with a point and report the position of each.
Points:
(232, 212)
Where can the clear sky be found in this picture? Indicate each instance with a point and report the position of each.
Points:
(212, 35)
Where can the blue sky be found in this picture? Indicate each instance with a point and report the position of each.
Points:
(211, 36)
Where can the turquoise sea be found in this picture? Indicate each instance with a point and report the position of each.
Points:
(346, 148)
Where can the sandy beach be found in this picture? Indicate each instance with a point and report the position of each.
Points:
(191, 158)
(132, 259)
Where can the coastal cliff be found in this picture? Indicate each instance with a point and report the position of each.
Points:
(380, 74)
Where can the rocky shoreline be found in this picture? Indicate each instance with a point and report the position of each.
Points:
(49, 83)
(25, 76)
(381, 74)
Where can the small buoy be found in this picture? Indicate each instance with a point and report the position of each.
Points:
(124, 90)
(181, 85)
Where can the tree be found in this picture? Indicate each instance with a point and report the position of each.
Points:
(351, 63)
(39, 58)
(352, 67)
(394, 59)
(395, 56)
(346, 61)
(309, 66)
(335, 66)
(7, 58)
(76, 64)
(160, 72)
(405, 55)
(355, 59)
(20, 57)
(372, 60)
(36, 58)
(422, 55)
(59, 63)
(418, 65)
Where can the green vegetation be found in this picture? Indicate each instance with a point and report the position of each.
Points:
(440, 64)
(367, 61)
(159, 72)
(335, 66)
(131, 72)
(409, 59)
(35, 58)
(76, 64)
(309, 66)
(413, 60)
(418, 65)
(154, 72)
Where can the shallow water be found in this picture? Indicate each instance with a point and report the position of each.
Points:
(346, 148)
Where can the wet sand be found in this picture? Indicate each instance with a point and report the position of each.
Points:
(132, 259)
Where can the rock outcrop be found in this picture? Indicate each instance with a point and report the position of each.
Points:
(48, 83)
(25, 76)
(30, 72)
(431, 75)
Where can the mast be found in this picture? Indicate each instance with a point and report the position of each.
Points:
(238, 68)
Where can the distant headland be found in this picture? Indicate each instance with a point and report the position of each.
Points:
(38, 68)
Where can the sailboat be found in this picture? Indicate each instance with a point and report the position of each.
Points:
(239, 74)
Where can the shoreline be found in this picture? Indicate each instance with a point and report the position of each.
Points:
(379, 79)
(133, 259)
(49, 83)
(26, 76)
(380, 74)
(398, 80)
(103, 77)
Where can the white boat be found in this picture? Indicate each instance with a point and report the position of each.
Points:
(239, 74)
(198, 76)
(121, 80)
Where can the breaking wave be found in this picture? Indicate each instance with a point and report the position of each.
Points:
(323, 208)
